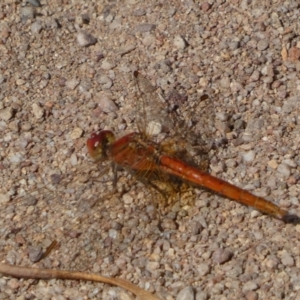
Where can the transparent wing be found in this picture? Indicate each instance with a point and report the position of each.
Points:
(181, 126)
(152, 116)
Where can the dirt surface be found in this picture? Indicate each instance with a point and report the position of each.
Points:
(66, 70)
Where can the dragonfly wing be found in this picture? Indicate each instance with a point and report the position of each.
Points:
(187, 132)
(151, 108)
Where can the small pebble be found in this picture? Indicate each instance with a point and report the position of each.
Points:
(36, 27)
(255, 76)
(251, 295)
(34, 2)
(196, 227)
(180, 42)
(203, 269)
(85, 39)
(255, 213)
(105, 82)
(186, 294)
(272, 262)
(20, 81)
(11, 257)
(225, 82)
(105, 103)
(273, 164)
(37, 110)
(144, 28)
(289, 162)
(202, 295)
(287, 259)
(222, 116)
(6, 114)
(4, 198)
(35, 253)
(126, 49)
(168, 224)
(248, 156)
(152, 266)
(16, 158)
(13, 284)
(112, 233)
(73, 159)
(26, 126)
(72, 83)
(250, 286)
(107, 65)
(221, 256)
(294, 54)
(76, 133)
(122, 295)
(284, 169)
(154, 128)
(139, 12)
(205, 6)
(127, 198)
(262, 45)
(27, 12)
(235, 86)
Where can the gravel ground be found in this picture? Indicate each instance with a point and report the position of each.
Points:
(66, 70)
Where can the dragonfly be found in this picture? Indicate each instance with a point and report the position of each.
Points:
(156, 152)
(145, 158)
(152, 160)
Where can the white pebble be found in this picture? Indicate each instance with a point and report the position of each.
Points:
(73, 159)
(37, 110)
(287, 259)
(249, 286)
(85, 39)
(72, 83)
(34, 2)
(105, 103)
(152, 266)
(203, 269)
(112, 233)
(179, 42)
(27, 13)
(284, 170)
(15, 158)
(235, 86)
(248, 156)
(127, 199)
(6, 114)
(107, 65)
(154, 128)
(105, 82)
(186, 294)
(254, 214)
(76, 133)
(36, 27)
(289, 162)
(20, 81)
(4, 198)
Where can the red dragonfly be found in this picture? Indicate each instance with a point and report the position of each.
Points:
(142, 156)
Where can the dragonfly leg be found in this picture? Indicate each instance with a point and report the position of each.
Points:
(115, 180)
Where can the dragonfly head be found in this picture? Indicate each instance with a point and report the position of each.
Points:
(99, 143)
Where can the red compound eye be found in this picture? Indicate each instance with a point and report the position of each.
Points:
(98, 143)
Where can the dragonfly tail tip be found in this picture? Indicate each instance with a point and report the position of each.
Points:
(290, 219)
